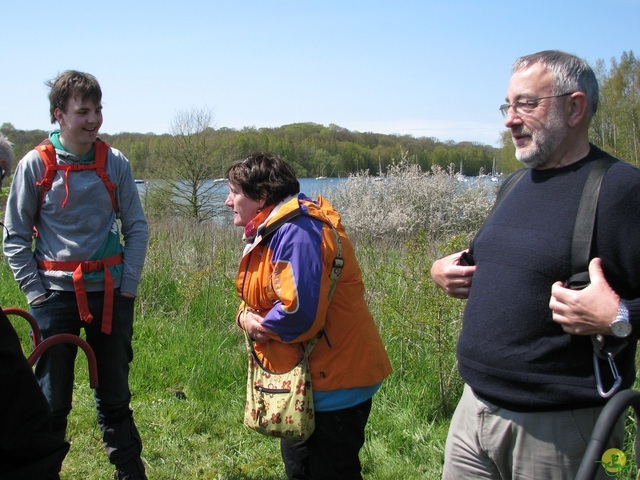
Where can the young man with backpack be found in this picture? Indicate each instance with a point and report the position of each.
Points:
(71, 200)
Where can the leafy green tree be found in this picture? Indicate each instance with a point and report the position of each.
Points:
(616, 126)
(506, 159)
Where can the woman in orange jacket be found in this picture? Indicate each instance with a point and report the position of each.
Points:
(284, 283)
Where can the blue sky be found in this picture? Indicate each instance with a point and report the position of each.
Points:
(418, 67)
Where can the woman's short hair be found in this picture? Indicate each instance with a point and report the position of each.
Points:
(264, 176)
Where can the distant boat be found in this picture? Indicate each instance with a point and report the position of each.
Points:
(461, 176)
(321, 178)
(139, 181)
(495, 176)
(219, 180)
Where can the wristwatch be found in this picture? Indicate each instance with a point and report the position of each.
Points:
(621, 327)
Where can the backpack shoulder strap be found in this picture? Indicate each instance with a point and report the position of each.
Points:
(101, 152)
(48, 155)
(583, 229)
(581, 254)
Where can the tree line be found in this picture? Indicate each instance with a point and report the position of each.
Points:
(193, 148)
(314, 150)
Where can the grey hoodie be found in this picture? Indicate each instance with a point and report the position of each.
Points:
(77, 231)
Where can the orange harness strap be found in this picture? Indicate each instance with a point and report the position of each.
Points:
(78, 268)
(48, 154)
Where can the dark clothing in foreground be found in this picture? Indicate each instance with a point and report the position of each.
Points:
(28, 450)
(331, 452)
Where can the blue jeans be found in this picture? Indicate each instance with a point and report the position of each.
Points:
(55, 369)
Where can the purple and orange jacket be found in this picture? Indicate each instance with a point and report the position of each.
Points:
(285, 277)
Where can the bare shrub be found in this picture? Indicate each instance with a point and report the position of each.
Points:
(402, 222)
(407, 201)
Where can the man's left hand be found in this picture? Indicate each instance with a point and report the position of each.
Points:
(589, 311)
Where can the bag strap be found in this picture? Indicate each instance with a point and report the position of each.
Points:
(272, 227)
(334, 275)
(581, 254)
(583, 229)
(338, 261)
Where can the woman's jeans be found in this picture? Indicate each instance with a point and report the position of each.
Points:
(55, 369)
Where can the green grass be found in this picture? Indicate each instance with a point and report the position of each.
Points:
(185, 340)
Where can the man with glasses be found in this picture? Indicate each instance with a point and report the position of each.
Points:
(525, 351)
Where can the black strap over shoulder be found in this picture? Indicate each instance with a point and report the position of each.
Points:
(583, 230)
(272, 227)
(604, 348)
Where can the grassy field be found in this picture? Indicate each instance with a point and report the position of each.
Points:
(189, 371)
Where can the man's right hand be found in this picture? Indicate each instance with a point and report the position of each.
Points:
(39, 299)
(453, 278)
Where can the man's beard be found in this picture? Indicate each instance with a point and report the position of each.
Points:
(543, 141)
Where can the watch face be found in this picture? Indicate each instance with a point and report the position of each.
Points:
(621, 328)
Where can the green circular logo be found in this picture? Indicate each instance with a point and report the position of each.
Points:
(613, 461)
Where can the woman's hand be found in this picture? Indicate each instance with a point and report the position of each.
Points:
(253, 324)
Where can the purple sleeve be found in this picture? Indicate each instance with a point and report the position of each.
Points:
(296, 249)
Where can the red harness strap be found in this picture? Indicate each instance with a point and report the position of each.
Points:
(48, 154)
(78, 268)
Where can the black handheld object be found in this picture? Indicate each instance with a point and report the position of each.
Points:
(467, 260)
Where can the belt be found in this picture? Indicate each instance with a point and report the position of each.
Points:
(78, 268)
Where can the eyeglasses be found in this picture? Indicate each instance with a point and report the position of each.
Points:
(527, 105)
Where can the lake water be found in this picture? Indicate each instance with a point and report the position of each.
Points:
(310, 186)
(314, 186)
